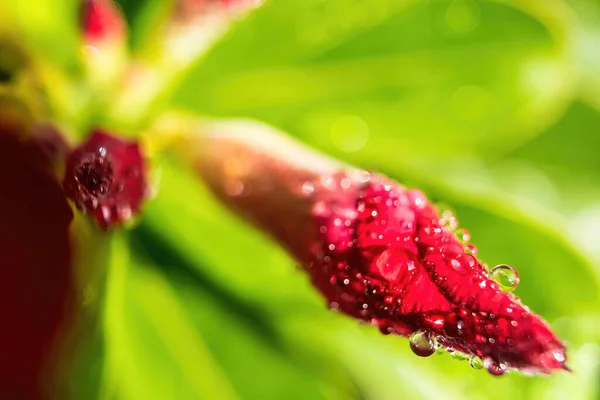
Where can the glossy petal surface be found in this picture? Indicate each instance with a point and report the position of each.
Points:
(388, 257)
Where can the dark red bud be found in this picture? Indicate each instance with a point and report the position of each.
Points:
(106, 178)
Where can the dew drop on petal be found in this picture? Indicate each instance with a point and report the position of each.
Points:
(553, 359)
(308, 188)
(422, 344)
(345, 183)
(363, 176)
(471, 249)
(506, 277)
(476, 362)
(495, 368)
(463, 235)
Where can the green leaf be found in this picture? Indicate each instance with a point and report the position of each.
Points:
(50, 27)
(170, 335)
(144, 17)
(588, 40)
(193, 222)
(464, 74)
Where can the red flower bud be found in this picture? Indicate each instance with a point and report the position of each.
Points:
(376, 250)
(386, 256)
(101, 20)
(106, 178)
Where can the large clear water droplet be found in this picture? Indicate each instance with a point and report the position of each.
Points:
(422, 344)
(506, 277)
(476, 362)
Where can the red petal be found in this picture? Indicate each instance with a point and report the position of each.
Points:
(101, 20)
(386, 258)
(106, 177)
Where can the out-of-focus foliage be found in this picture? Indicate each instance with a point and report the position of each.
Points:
(491, 106)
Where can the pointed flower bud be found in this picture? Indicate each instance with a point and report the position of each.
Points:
(387, 257)
(106, 178)
(376, 250)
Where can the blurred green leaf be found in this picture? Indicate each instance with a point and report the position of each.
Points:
(139, 349)
(189, 218)
(588, 40)
(193, 326)
(169, 338)
(461, 74)
(144, 18)
(50, 27)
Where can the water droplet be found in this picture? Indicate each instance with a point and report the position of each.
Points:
(506, 277)
(553, 359)
(463, 235)
(363, 176)
(345, 183)
(308, 188)
(463, 263)
(422, 344)
(444, 209)
(495, 368)
(234, 187)
(476, 362)
(471, 249)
